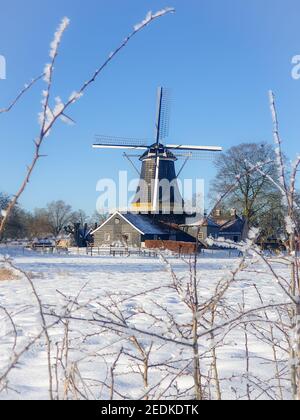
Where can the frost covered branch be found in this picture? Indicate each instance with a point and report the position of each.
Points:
(48, 116)
(26, 88)
(278, 143)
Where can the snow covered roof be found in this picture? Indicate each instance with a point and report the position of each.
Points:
(233, 226)
(145, 224)
(142, 223)
(204, 222)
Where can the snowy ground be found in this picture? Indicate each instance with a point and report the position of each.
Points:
(139, 289)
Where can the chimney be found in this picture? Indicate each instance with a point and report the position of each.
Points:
(218, 213)
(233, 213)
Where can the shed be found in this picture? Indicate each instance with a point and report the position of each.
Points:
(235, 230)
(131, 229)
(205, 228)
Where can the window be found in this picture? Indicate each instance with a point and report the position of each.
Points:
(117, 221)
(107, 237)
(201, 236)
(127, 237)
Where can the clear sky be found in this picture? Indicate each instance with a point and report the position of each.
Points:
(219, 57)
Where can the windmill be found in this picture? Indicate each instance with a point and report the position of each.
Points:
(158, 165)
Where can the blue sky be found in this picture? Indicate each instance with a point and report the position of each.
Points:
(219, 57)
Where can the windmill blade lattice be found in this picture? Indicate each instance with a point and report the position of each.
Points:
(165, 111)
(120, 142)
(197, 156)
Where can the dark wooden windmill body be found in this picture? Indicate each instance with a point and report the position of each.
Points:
(158, 191)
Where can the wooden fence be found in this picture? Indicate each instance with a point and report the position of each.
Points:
(180, 248)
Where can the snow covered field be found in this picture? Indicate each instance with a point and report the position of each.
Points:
(129, 336)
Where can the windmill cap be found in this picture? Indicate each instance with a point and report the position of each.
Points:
(163, 153)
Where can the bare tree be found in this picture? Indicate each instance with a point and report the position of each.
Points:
(59, 215)
(39, 224)
(253, 196)
(285, 183)
(80, 216)
(18, 222)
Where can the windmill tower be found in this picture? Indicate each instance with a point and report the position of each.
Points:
(158, 193)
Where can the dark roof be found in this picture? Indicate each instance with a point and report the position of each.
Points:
(233, 226)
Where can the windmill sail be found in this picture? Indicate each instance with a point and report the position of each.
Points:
(119, 146)
(108, 142)
(163, 114)
(195, 148)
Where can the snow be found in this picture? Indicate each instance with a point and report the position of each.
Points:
(150, 16)
(290, 225)
(47, 73)
(75, 96)
(142, 289)
(58, 35)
